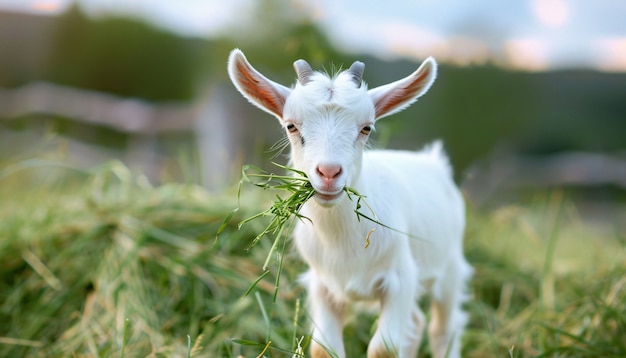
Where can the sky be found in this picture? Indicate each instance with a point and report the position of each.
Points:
(531, 35)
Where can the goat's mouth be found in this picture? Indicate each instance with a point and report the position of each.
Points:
(328, 197)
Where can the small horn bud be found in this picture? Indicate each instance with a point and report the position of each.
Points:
(304, 71)
(356, 70)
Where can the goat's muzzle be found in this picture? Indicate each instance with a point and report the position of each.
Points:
(328, 183)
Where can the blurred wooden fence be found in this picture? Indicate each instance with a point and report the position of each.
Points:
(122, 114)
(142, 121)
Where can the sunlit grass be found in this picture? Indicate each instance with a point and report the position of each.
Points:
(101, 263)
(544, 278)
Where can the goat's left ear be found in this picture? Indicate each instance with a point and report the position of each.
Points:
(259, 90)
(396, 96)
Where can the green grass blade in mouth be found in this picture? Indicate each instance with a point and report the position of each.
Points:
(284, 210)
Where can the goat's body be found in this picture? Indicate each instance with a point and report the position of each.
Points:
(419, 249)
(417, 182)
(414, 258)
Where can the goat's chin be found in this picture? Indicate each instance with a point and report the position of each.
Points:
(328, 199)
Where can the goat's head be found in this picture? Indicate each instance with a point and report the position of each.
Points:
(328, 119)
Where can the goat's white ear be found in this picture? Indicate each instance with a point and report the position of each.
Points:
(396, 96)
(259, 90)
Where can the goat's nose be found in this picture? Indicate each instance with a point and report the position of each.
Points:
(329, 171)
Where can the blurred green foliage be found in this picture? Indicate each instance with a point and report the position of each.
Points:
(123, 56)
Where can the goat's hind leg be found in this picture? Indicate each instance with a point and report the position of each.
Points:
(447, 316)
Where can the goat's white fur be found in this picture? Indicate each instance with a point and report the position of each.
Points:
(327, 121)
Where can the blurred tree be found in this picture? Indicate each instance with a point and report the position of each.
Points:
(273, 36)
(24, 45)
(122, 56)
(577, 110)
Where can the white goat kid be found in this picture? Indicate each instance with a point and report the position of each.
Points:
(328, 121)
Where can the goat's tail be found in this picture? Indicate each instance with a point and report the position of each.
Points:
(435, 151)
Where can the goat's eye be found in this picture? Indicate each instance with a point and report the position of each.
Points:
(291, 128)
(366, 130)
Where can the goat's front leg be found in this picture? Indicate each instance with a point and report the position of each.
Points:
(401, 322)
(327, 317)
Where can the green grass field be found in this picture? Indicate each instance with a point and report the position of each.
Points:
(102, 264)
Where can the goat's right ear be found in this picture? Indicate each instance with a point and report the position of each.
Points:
(259, 90)
(396, 96)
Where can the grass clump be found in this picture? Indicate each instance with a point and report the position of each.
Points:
(104, 264)
(547, 283)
